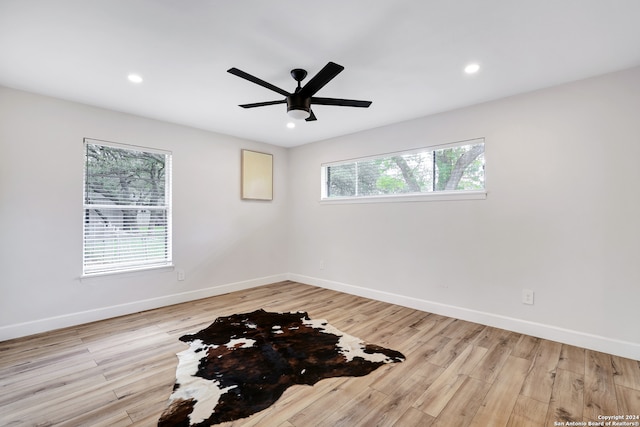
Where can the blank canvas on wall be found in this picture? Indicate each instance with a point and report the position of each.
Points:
(257, 175)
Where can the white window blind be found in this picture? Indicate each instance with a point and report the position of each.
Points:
(452, 168)
(127, 208)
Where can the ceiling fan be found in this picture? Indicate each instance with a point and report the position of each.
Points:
(299, 102)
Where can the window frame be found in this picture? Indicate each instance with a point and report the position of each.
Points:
(403, 197)
(140, 265)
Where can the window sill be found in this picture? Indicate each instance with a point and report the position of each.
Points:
(158, 268)
(404, 198)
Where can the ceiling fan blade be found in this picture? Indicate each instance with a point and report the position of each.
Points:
(340, 102)
(311, 118)
(323, 77)
(257, 81)
(262, 104)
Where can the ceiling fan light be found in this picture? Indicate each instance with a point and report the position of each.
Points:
(134, 78)
(298, 114)
(472, 68)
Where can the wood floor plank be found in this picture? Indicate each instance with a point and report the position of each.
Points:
(599, 387)
(528, 412)
(50, 382)
(461, 409)
(461, 334)
(28, 351)
(397, 402)
(149, 406)
(106, 416)
(501, 398)
(47, 398)
(491, 364)
(539, 382)
(120, 372)
(414, 417)
(429, 332)
(355, 411)
(142, 384)
(414, 320)
(438, 395)
(416, 364)
(628, 401)
(137, 338)
(401, 336)
(489, 336)
(567, 398)
(152, 361)
(14, 364)
(572, 359)
(526, 347)
(60, 409)
(425, 320)
(463, 330)
(309, 404)
(626, 372)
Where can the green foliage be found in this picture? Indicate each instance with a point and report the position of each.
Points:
(444, 165)
(124, 177)
(389, 184)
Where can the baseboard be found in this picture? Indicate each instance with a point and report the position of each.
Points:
(579, 339)
(73, 319)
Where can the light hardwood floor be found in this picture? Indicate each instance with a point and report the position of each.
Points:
(120, 372)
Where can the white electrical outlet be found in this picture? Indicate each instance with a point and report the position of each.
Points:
(527, 296)
(322, 265)
(180, 275)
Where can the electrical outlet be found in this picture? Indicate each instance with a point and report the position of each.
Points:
(527, 296)
(322, 265)
(180, 275)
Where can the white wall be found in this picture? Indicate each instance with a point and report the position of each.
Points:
(221, 242)
(562, 217)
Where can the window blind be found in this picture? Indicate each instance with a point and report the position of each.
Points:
(127, 208)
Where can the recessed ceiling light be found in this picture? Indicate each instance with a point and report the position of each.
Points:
(472, 68)
(134, 78)
(291, 125)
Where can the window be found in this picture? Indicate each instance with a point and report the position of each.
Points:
(454, 168)
(127, 208)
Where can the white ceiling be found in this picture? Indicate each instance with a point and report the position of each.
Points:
(407, 56)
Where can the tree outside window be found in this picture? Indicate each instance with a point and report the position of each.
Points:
(459, 168)
(127, 215)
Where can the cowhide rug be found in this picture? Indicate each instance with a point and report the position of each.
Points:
(241, 364)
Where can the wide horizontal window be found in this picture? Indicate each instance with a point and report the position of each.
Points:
(444, 169)
(127, 208)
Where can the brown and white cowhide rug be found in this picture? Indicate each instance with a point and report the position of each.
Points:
(241, 364)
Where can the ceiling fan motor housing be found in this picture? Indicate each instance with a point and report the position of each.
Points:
(297, 102)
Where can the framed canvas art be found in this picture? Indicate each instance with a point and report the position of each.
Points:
(257, 175)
